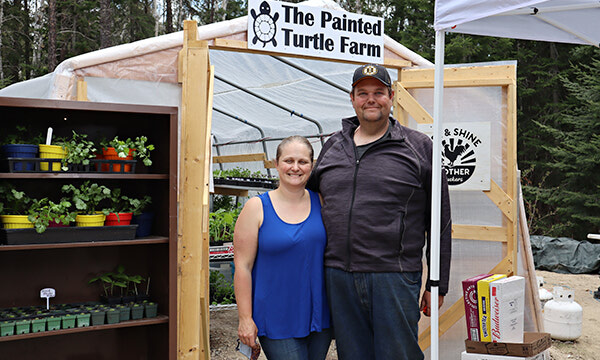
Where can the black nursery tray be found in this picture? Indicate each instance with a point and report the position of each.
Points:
(32, 165)
(247, 182)
(54, 235)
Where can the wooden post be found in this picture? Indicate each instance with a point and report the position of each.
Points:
(81, 90)
(192, 279)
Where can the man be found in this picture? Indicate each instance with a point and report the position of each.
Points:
(375, 179)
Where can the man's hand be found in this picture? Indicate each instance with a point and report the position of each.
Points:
(426, 302)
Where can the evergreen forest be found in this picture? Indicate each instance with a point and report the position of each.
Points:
(558, 84)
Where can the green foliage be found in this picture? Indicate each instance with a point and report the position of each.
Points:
(87, 197)
(220, 290)
(223, 202)
(222, 224)
(12, 201)
(111, 280)
(79, 150)
(22, 134)
(137, 147)
(45, 211)
(237, 172)
(125, 204)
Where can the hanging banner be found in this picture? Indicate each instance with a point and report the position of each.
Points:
(465, 154)
(307, 30)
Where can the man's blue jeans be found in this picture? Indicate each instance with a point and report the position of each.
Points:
(375, 315)
(312, 347)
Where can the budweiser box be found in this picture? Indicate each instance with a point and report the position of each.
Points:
(483, 305)
(533, 344)
(507, 309)
(541, 356)
(471, 309)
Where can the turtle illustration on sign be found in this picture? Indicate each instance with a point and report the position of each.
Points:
(264, 25)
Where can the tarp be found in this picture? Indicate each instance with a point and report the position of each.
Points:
(567, 21)
(565, 255)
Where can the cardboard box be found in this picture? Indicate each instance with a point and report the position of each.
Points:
(483, 304)
(471, 308)
(533, 344)
(541, 356)
(507, 298)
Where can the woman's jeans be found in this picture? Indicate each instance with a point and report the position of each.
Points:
(375, 315)
(312, 347)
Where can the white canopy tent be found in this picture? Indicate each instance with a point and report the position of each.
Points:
(567, 21)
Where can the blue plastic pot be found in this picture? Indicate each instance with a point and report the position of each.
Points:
(144, 222)
(20, 151)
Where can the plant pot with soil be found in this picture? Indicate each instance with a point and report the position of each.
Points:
(98, 316)
(151, 309)
(46, 213)
(14, 208)
(129, 149)
(87, 198)
(20, 144)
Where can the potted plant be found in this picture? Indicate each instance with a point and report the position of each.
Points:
(112, 315)
(7, 324)
(79, 151)
(117, 149)
(123, 207)
(46, 213)
(137, 311)
(14, 208)
(142, 218)
(20, 144)
(109, 282)
(98, 316)
(87, 199)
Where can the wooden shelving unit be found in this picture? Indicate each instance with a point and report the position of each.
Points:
(67, 267)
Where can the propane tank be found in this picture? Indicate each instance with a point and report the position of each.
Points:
(544, 294)
(563, 317)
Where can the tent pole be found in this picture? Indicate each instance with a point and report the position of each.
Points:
(436, 186)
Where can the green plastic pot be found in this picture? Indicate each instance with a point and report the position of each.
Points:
(38, 325)
(112, 316)
(124, 313)
(137, 311)
(68, 321)
(98, 317)
(53, 322)
(83, 319)
(151, 309)
(7, 328)
(22, 326)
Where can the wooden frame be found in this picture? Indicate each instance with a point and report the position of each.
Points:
(194, 74)
(504, 198)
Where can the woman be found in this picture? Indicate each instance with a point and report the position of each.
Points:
(279, 240)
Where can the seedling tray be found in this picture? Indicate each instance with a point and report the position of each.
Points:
(67, 234)
(32, 165)
(247, 182)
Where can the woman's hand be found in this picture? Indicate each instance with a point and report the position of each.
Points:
(247, 332)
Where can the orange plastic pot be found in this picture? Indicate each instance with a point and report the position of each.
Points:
(110, 153)
(122, 219)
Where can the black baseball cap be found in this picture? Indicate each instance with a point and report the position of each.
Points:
(375, 71)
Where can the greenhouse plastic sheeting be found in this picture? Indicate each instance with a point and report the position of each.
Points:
(565, 255)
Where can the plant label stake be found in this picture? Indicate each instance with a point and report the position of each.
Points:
(49, 138)
(47, 293)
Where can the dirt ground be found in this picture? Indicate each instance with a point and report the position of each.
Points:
(223, 324)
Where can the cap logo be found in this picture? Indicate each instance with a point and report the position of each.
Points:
(369, 70)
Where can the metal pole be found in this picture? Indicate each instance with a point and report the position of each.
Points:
(274, 103)
(436, 190)
(262, 133)
(313, 74)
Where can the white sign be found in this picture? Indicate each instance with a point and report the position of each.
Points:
(47, 293)
(307, 30)
(465, 154)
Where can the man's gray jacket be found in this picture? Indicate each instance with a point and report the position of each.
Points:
(377, 209)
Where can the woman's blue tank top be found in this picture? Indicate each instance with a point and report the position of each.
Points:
(288, 284)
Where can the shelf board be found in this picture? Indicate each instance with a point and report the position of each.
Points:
(100, 175)
(160, 319)
(143, 241)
